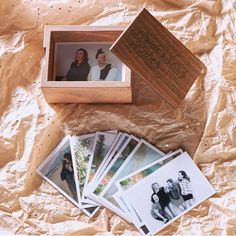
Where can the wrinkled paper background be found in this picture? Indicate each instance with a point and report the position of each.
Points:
(204, 124)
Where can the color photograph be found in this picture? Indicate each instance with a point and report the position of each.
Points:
(116, 163)
(58, 170)
(97, 185)
(130, 180)
(86, 62)
(142, 154)
(81, 148)
(103, 142)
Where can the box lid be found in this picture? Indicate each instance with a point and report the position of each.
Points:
(150, 50)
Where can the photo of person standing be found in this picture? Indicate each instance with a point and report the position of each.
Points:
(79, 68)
(174, 191)
(186, 190)
(103, 70)
(67, 175)
(164, 200)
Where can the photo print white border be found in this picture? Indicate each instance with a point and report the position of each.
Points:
(65, 140)
(141, 203)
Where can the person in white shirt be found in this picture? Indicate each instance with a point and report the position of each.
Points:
(103, 70)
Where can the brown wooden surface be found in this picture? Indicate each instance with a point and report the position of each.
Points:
(76, 33)
(85, 36)
(87, 95)
(149, 49)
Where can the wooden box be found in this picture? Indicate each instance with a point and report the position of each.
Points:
(82, 91)
(150, 50)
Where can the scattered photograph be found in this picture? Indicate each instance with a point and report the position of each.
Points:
(102, 144)
(115, 164)
(127, 175)
(101, 148)
(90, 211)
(86, 62)
(167, 194)
(142, 155)
(81, 149)
(101, 165)
(116, 148)
(130, 180)
(58, 170)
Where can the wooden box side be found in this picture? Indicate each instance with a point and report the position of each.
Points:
(149, 49)
(87, 95)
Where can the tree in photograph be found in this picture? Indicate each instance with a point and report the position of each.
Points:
(86, 142)
(125, 183)
(82, 154)
(99, 151)
(99, 189)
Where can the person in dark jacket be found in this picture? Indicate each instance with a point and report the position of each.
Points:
(157, 211)
(164, 200)
(174, 191)
(67, 176)
(79, 68)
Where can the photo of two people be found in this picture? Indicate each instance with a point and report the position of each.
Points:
(86, 62)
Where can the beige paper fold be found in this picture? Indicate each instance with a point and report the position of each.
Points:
(204, 124)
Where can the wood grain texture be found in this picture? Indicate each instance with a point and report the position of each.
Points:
(85, 36)
(149, 49)
(87, 95)
(76, 33)
(81, 91)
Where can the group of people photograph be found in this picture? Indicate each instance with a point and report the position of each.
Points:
(80, 69)
(172, 199)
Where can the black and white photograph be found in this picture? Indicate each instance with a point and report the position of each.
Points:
(128, 181)
(58, 170)
(168, 193)
(86, 62)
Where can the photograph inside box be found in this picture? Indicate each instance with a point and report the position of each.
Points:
(85, 62)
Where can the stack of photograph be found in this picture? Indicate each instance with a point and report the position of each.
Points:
(128, 175)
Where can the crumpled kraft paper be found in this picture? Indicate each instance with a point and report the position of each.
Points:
(204, 124)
